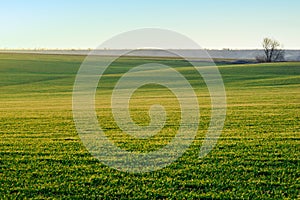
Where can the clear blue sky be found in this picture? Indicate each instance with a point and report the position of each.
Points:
(85, 24)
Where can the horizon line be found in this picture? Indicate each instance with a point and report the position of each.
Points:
(107, 49)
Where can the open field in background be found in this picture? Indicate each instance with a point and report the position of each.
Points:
(257, 155)
(290, 55)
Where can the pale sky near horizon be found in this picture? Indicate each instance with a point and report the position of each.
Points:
(213, 24)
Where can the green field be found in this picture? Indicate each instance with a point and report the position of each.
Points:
(257, 155)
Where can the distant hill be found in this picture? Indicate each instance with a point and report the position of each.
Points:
(291, 55)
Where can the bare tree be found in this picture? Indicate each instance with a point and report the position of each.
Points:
(272, 51)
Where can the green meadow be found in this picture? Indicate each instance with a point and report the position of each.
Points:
(256, 157)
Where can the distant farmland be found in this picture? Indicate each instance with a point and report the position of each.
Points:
(257, 155)
(291, 55)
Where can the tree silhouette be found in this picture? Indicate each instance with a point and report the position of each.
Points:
(272, 51)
